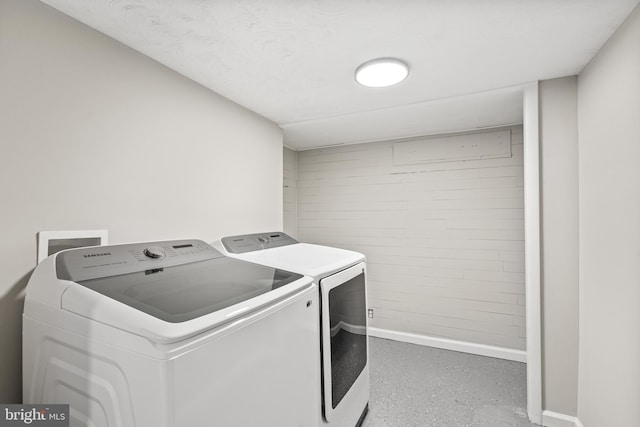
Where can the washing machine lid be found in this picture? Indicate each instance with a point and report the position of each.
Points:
(279, 250)
(188, 288)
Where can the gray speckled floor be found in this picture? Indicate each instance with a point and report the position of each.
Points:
(414, 385)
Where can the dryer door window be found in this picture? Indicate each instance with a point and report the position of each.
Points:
(344, 335)
(348, 336)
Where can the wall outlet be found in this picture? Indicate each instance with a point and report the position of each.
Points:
(370, 313)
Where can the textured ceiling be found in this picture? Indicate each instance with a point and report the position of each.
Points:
(293, 61)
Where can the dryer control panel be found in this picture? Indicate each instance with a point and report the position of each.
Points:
(255, 242)
(106, 261)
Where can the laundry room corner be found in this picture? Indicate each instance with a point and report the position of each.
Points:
(290, 191)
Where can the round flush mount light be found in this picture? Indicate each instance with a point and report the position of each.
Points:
(382, 72)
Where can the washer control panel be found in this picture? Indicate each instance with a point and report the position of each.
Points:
(255, 242)
(106, 261)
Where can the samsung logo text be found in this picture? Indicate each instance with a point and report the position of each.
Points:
(98, 254)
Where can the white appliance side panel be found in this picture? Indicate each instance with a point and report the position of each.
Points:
(263, 374)
(104, 385)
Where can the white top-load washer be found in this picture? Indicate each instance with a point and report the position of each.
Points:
(170, 334)
(340, 276)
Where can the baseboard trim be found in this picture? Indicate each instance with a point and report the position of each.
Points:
(555, 419)
(448, 344)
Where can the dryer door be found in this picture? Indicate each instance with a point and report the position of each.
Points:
(344, 335)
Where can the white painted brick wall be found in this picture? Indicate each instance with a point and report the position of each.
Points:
(444, 241)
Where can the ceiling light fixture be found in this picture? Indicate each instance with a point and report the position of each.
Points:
(382, 72)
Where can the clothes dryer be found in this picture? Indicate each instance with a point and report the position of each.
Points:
(170, 334)
(340, 277)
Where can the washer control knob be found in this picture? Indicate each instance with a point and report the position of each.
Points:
(154, 252)
(263, 239)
